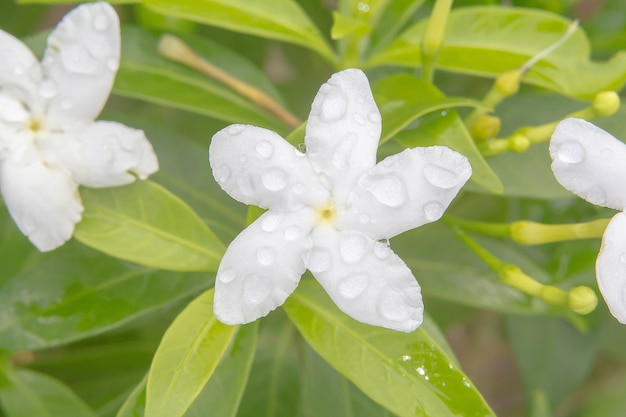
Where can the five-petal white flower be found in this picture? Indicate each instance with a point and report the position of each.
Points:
(592, 164)
(49, 143)
(328, 210)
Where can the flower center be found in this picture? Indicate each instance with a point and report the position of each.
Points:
(327, 212)
(34, 125)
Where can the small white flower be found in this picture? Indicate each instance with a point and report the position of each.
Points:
(329, 209)
(592, 164)
(49, 143)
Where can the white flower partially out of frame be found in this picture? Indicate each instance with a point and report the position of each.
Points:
(49, 142)
(329, 209)
(592, 164)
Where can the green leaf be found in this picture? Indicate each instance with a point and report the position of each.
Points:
(487, 41)
(76, 292)
(390, 20)
(274, 386)
(33, 394)
(186, 359)
(15, 249)
(407, 373)
(73, 1)
(282, 20)
(345, 25)
(144, 223)
(145, 75)
(135, 403)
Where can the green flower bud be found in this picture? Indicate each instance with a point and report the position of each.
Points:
(605, 103)
(582, 300)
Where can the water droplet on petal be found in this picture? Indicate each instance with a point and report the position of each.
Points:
(353, 285)
(235, 129)
(393, 305)
(372, 133)
(266, 255)
(48, 89)
(271, 221)
(227, 276)
(433, 210)
(300, 150)
(352, 248)
(274, 179)
(257, 289)
(19, 69)
(334, 106)
(222, 174)
(382, 250)
(360, 99)
(440, 177)
(113, 63)
(265, 149)
(358, 117)
(597, 195)
(292, 233)
(374, 117)
(318, 260)
(101, 22)
(571, 152)
(622, 258)
(388, 189)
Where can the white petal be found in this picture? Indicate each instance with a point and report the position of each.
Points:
(103, 154)
(405, 191)
(12, 111)
(262, 266)
(256, 166)
(366, 279)
(589, 162)
(611, 267)
(80, 63)
(343, 130)
(41, 197)
(18, 65)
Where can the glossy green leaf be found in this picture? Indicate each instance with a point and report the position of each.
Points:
(33, 394)
(273, 389)
(390, 20)
(407, 373)
(144, 223)
(490, 40)
(282, 20)
(186, 359)
(145, 75)
(135, 403)
(76, 292)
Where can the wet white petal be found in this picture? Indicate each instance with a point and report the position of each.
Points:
(366, 279)
(18, 65)
(257, 166)
(611, 267)
(80, 64)
(343, 130)
(12, 111)
(589, 162)
(262, 266)
(103, 154)
(405, 191)
(41, 197)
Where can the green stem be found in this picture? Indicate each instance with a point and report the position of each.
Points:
(433, 37)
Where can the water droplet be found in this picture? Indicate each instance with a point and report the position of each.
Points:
(466, 383)
(101, 22)
(571, 152)
(450, 366)
(622, 258)
(363, 7)
(444, 112)
(334, 106)
(113, 63)
(48, 89)
(235, 129)
(382, 250)
(421, 371)
(292, 233)
(226, 276)
(360, 99)
(352, 248)
(406, 358)
(271, 221)
(318, 260)
(353, 285)
(358, 117)
(372, 133)
(597, 195)
(374, 117)
(19, 69)
(222, 174)
(393, 305)
(266, 255)
(440, 177)
(76, 58)
(265, 149)
(300, 150)
(67, 103)
(341, 155)
(274, 179)
(257, 289)
(433, 210)
(388, 189)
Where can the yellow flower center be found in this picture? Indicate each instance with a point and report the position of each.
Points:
(327, 212)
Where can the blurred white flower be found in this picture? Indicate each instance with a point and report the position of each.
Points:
(329, 209)
(49, 143)
(592, 164)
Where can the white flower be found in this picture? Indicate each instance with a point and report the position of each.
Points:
(328, 210)
(49, 143)
(592, 164)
